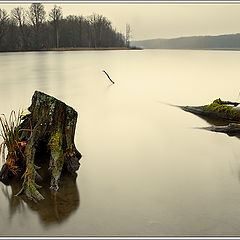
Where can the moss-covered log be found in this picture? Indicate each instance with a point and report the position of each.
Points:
(218, 109)
(50, 127)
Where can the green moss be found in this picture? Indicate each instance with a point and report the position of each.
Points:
(29, 185)
(55, 145)
(55, 140)
(220, 106)
(31, 189)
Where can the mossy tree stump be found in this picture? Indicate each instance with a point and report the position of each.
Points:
(50, 127)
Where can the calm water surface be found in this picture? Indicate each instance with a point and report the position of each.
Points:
(146, 170)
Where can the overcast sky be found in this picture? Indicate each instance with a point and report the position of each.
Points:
(150, 21)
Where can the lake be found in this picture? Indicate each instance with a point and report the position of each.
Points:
(147, 167)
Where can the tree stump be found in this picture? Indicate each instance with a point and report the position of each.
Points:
(49, 128)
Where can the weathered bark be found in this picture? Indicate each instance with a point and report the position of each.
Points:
(50, 128)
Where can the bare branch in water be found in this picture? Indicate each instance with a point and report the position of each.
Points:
(108, 77)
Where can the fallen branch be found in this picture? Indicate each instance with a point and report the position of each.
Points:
(108, 77)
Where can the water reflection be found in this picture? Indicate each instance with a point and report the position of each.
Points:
(219, 123)
(41, 70)
(235, 162)
(54, 209)
(108, 87)
(216, 121)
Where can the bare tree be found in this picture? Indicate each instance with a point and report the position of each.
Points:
(3, 24)
(80, 29)
(99, 25)
(56, 16)
(92, 28)
(19, 16)
(37, 16)
(128, 34)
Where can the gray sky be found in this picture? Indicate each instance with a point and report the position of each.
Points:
(159, 20)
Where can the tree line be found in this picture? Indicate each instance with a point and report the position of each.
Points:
(34, 29)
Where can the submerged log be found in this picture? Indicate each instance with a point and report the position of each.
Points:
(225, 110)
(218, 109)
(232, 129)
(50, 127)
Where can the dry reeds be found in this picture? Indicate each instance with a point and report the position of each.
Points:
(10, 133)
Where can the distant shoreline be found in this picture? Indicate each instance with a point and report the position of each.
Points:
(227, 42)
(220, 49)
(73, 49)
(116, 48)
(197, 49)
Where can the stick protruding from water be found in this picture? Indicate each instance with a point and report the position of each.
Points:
(108, 77)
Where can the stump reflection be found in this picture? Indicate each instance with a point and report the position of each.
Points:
(57, 206)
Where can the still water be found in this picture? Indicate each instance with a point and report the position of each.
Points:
(147, 169)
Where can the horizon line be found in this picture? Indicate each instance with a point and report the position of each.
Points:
(189, 36)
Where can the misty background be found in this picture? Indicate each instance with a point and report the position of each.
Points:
(151, 21)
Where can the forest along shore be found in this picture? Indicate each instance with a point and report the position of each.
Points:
(32, 29)
(75, 49)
